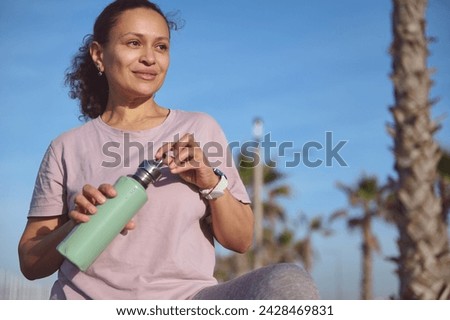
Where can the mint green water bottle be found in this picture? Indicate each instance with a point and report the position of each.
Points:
(87, 240)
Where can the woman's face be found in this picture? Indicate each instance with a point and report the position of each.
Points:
(136, 58)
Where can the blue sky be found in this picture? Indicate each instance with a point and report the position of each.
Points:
(304, 67)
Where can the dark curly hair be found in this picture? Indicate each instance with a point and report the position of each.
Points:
(82, 77)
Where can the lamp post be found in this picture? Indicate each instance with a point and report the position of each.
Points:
(258, 182)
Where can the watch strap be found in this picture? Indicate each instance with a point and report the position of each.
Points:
(218, 190)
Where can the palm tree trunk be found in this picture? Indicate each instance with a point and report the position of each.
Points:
(424, 262)
(366, 281)
(308, 257)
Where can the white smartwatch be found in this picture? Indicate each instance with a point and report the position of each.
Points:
(219, 189)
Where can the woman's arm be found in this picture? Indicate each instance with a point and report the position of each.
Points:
(37, 248)
(232, 222)
(38, 256)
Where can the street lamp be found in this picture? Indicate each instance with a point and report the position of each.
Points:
(258, 182)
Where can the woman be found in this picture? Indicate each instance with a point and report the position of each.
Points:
(169, 254)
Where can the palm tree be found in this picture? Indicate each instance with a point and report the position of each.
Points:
(424, 261)
(444, 183)
(303, 248)
(366, 196)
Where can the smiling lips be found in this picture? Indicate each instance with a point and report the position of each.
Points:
(145, 75)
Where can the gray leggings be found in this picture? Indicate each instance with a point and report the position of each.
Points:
(282, 281)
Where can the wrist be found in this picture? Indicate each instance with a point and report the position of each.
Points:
(214, 181)
(218, 189)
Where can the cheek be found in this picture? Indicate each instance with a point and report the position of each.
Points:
(118, 60)
(164, 62)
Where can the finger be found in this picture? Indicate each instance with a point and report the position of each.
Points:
(94, 195)
(107, 190)
(188, 138)
(186, 141)
(84, 205)
(181, 155)
(192, 156)
(129, 226)
(164, 150)
(185, 166)
(78, 217)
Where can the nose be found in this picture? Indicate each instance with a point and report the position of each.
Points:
(147, 56)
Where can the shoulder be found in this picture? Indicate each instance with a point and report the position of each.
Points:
(74, 135)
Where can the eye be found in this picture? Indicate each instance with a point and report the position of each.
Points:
(162, 47)
(133, 43)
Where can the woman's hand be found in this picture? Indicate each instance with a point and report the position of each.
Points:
(86, 201)
(185, 158)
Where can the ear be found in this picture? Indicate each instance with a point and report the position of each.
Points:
(96, 52)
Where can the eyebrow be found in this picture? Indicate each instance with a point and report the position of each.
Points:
(140, 35)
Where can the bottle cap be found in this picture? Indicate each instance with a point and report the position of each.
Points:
(149, 171)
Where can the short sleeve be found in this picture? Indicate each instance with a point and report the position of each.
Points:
(48, 197)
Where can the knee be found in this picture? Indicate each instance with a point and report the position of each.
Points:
(288, 281)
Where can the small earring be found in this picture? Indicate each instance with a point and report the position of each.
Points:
(100, 72)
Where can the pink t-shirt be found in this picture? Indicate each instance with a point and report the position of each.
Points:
(170, 254)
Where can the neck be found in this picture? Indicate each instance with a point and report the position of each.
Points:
(135, 115)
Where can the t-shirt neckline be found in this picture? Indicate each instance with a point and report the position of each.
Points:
(134, 133)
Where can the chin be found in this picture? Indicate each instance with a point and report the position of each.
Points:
(144, 93)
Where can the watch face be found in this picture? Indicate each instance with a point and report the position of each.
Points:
(218, 172)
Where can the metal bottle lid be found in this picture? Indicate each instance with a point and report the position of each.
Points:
(149, 172)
